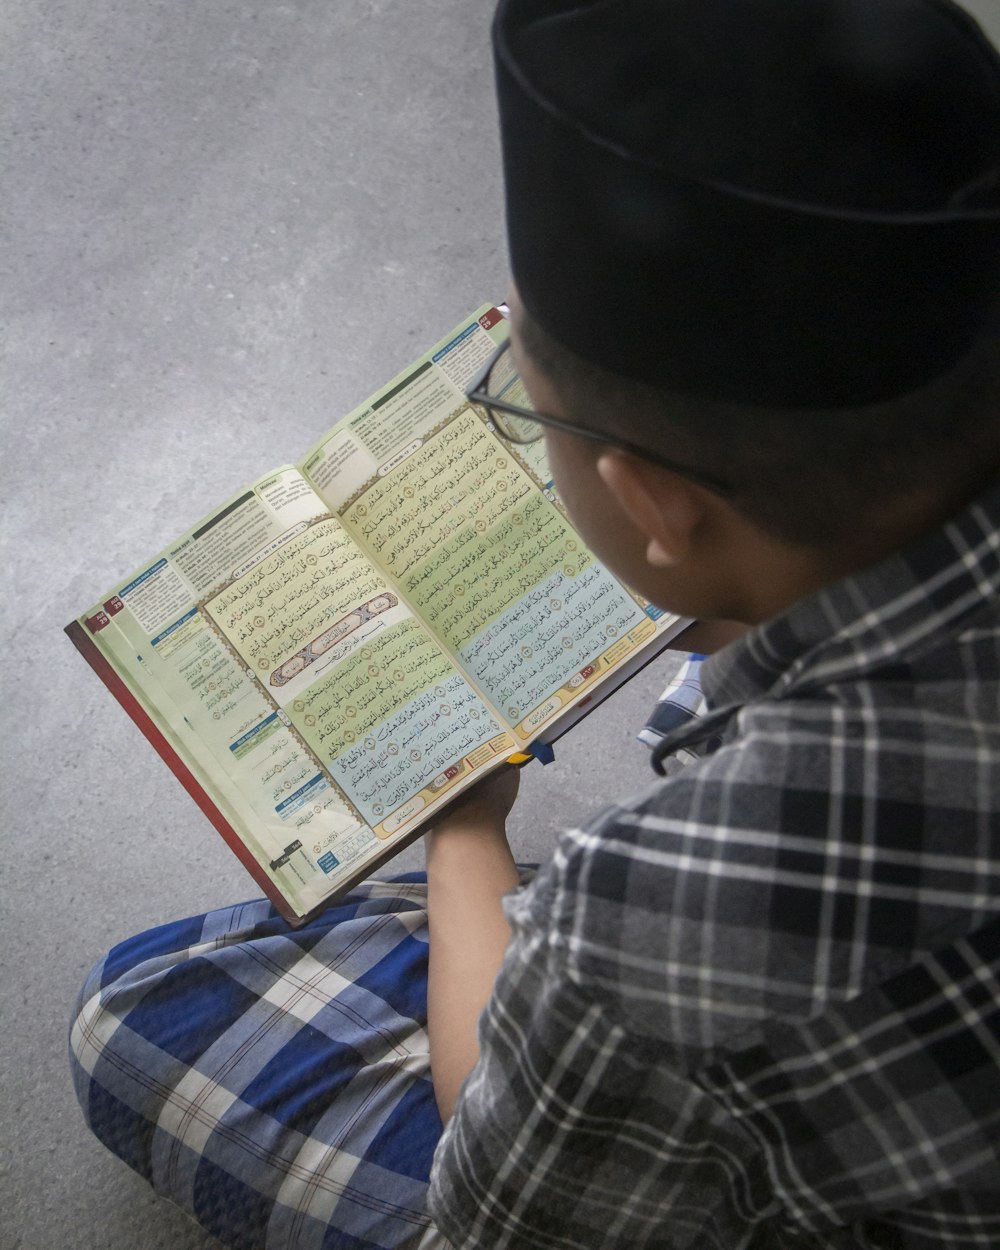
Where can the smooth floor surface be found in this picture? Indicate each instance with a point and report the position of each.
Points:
(228, 224)
(222, 227)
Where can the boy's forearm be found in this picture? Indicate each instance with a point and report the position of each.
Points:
(469, 869)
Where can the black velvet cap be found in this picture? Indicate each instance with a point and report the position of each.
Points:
(792, 203)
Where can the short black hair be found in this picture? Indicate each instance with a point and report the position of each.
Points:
(807, 476)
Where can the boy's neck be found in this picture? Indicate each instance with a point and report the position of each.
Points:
(772, 575)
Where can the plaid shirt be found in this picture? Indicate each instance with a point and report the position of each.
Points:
(760, 1004)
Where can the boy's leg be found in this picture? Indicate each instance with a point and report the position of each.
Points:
(272, 1082)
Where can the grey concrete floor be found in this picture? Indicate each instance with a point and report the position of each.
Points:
(226, 225)
(223, 226)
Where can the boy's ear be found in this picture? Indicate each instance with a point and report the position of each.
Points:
(665, 507)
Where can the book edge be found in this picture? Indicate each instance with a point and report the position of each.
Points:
(141, 718)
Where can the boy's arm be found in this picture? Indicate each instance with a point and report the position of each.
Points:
(469, 869)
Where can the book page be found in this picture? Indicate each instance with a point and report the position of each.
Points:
(471, 535)
(390, 426)
(210, 709)
(381, 709)
(290, 588)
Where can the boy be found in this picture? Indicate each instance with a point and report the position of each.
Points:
(757, 246)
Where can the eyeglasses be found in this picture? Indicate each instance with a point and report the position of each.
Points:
(498, 388)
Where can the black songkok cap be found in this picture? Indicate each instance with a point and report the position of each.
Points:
(792, 203)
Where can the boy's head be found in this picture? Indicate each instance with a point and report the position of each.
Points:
(763, 236)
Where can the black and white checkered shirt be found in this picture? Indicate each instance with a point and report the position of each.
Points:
(759, 1005)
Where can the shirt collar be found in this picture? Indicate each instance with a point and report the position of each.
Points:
(893, 611)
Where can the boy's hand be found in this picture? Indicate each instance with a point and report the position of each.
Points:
(486, 805)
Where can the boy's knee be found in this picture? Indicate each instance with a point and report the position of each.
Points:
(114, 1069)
(90, 1029)
(85, 1022)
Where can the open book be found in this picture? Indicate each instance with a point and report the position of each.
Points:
(333, 654)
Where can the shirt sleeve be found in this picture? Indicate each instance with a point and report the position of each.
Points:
(572, 1132)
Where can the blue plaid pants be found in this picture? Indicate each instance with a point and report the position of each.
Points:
(272, 1082)
(275, 1082)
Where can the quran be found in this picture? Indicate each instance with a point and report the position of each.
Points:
(330, 656)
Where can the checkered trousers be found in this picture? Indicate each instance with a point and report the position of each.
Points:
(272, 1082)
